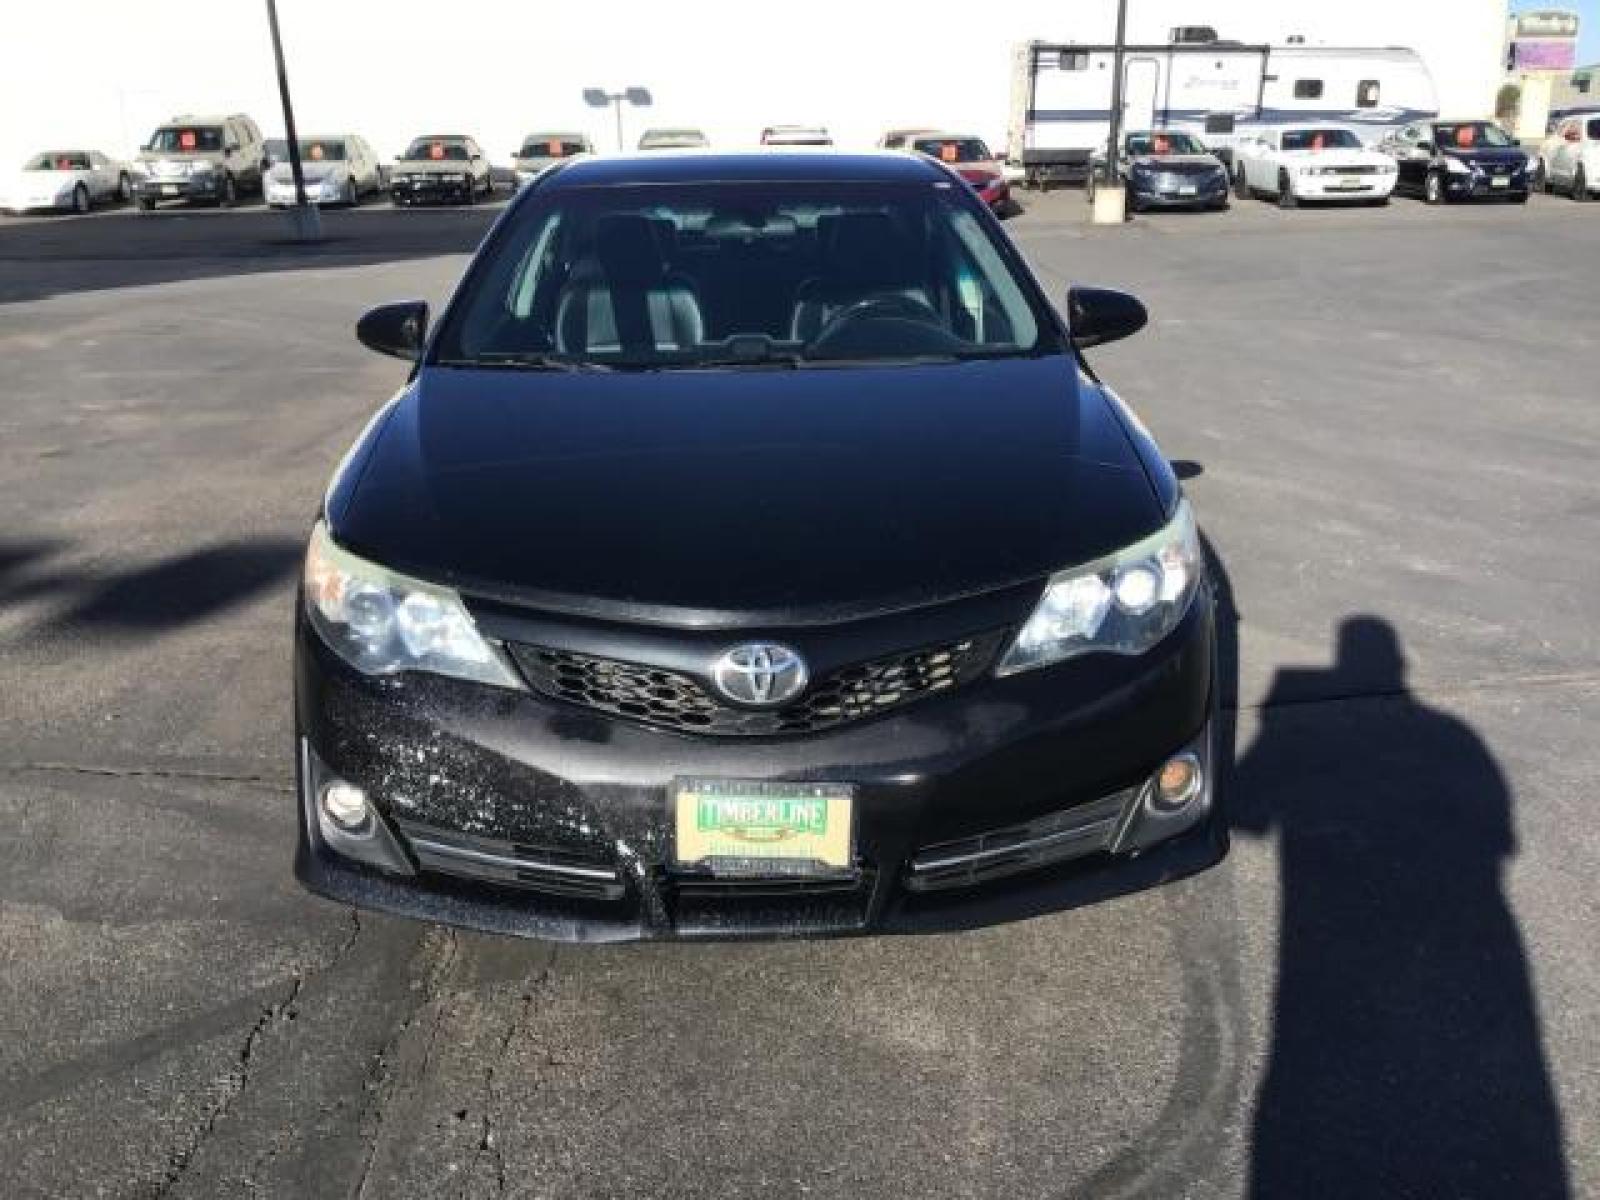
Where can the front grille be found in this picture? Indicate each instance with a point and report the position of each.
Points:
(1350, 170)
(675, 700)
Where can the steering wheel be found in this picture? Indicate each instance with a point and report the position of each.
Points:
(876, 307)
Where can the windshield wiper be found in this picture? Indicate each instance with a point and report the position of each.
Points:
(517, 361)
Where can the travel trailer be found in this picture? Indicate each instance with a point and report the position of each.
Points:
(1223, 92)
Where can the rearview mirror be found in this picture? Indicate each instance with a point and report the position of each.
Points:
(399, 330)
(1096, 316)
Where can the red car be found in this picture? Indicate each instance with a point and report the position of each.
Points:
(970, 159)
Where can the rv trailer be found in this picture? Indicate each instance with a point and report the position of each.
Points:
(1223, 92)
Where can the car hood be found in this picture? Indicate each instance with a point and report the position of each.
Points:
(314, 172)
(35, 182)
(1494, 155)
(1164, 161)
(1339, 157)
(432, 166)
(726, 495)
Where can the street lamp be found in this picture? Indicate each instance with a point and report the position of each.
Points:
(600, 98)
(307, 221)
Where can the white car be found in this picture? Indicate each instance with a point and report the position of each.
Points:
(1569, 160)
(1312, 162)
(73, 180)
(338, 168)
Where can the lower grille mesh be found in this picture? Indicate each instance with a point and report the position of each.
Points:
(676, 700)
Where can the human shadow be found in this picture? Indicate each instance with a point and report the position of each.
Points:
(174, 592)
(1405, 1057)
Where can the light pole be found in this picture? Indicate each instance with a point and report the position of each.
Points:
(1111, 201)
(600, 98)
(307, 221)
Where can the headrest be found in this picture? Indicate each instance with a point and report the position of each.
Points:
(627, 248)
(867, 248)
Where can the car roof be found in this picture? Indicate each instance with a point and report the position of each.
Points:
(545, 135)
(746, 166)
(442, 137)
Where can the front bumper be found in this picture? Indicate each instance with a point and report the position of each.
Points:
(430, 191)
(997, 196)
(281, 195)
(1478, 186)
(1208, 191)
(1003, 799)
(1343, 187)
(186, 187)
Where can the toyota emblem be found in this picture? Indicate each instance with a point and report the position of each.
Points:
(761, 674)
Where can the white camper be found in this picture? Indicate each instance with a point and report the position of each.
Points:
(1221, 91)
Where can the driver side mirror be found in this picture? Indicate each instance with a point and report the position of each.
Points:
(1096, 316)
(399, 330)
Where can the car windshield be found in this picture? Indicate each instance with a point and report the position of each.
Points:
(1473, 135)
(1164, 142)
(187, 139)
(953, 150)
(1594, 131)
(550, 145)
(60, 160)
(322, 150)
(738, 274)
(1320, 139)
(437, 150)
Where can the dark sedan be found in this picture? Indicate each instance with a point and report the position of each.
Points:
(1442, 161)
(750, 553)
(1166, 168)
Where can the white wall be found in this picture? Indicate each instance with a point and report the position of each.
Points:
(103, 72)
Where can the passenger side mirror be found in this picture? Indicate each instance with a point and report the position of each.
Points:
(1096, 316)
(1427, 147)
(399, 330)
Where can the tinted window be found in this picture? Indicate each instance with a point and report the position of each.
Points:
(59, 161)
(1164, 142)
(447, 149)
(187, 139)
(1320, 139)
(1367, 93)
(1594, 131)
(1472, 135)
(550, 146)
(323, 151)
(742, 274)
(953, 150)
(1308, 89)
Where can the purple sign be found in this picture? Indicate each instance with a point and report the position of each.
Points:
(1546, 56)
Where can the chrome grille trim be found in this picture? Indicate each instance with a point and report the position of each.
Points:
(545, 869)
(1059, 837)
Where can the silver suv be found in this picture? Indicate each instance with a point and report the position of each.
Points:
(212, 159)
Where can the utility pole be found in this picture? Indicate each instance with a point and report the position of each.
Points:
(1111, 200)
(307, 221)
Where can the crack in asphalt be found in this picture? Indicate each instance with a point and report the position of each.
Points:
(271, 782)
(489, 1141)
(381, 1085)
(237, 1080)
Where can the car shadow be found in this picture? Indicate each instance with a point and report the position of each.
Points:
(42, 258)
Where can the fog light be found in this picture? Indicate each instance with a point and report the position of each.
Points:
(1176, 784)
(345, 805)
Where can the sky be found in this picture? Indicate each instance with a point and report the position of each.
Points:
(1588, 22)
(393, 69)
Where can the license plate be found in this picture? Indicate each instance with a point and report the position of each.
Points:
(169, 189)
(1188, 189)
(1348, 185)
(1503, 181)
(734, 827)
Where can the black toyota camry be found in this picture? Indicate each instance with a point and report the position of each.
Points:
(750, 552)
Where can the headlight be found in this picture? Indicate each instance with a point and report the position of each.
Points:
(1122, 604)
(1456, 167)
(382, 623)
(201, 168)
(1387, 168)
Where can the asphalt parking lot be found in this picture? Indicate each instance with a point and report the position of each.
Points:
(1387, 420)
